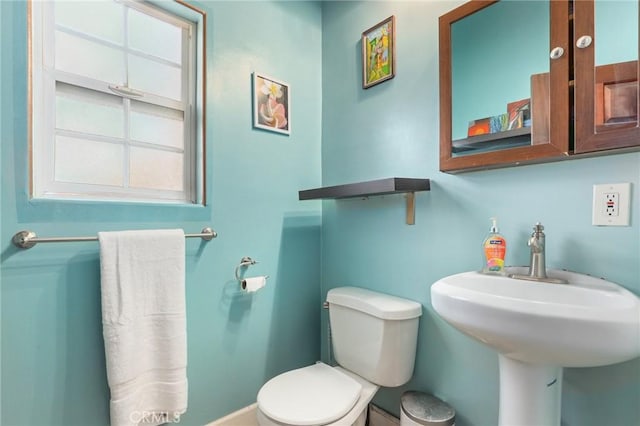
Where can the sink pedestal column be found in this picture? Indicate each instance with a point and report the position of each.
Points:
(529, 394)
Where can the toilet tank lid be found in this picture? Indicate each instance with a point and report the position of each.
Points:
(379, 305)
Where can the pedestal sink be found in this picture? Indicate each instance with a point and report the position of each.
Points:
(539, 328)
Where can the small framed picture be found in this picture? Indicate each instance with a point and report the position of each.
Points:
(271, 104)
(379, 53)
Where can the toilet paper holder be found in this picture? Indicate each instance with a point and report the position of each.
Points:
(245, 262)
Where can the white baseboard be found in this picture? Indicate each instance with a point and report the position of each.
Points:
(243, 417)
(379, 417)
(247, 417)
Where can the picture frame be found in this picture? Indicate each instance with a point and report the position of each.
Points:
(379, 53)
(271, 104)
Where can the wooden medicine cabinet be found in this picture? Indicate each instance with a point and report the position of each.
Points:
(508, 91)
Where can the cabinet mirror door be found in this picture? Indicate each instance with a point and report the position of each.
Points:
(606, 74)
(504, 66)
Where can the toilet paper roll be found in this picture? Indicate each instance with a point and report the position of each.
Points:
(253, 284)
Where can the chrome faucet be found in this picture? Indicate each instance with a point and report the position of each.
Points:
(537, 267)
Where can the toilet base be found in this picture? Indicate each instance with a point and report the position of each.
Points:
(356, 417)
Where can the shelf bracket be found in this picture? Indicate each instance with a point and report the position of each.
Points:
(411, 208)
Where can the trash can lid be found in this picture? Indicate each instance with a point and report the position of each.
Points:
(426, 409)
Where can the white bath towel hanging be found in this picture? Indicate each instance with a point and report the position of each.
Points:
(144, 325)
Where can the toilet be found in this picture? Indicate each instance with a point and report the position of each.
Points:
(374, 339)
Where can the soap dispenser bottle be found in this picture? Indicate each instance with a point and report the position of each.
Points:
(494, 249)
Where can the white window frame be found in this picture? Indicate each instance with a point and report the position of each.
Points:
(42, 100)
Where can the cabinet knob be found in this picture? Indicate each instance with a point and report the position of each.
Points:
(556, 52)
(584, 41)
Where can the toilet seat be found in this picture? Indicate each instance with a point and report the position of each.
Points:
(313, 395)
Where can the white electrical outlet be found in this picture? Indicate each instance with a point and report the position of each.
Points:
(611, 203)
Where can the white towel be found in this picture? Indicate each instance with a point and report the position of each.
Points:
(144, 325)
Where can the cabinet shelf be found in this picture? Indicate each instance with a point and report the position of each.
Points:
(492, 141)
(394, 185)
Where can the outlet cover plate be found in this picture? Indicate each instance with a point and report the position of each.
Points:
(600, 215)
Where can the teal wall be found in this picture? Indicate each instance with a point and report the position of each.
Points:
(53, 368)
(392, 130)
(52, 349)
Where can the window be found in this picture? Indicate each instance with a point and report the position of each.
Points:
(117, 101)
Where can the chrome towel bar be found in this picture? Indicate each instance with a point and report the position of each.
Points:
(28, 239)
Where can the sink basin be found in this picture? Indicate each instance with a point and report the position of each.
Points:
(537, 328)
(586, 323)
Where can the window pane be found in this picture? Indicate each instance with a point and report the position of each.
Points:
(154, 77)
(109, 145)
(85, 161)
(83, 57)
(88, 111)
(157, 125)
(102, 19)
(153, 169)
(155, 37)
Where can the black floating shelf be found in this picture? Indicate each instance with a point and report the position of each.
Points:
(366, 189)
(371, 188)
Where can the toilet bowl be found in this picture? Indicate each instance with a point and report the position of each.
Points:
(374, 338)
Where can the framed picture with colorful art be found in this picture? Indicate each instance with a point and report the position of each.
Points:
(271, 104)
(379, 53)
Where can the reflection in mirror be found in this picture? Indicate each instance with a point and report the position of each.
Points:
(606, 75)
(616, 58)
(498, 56)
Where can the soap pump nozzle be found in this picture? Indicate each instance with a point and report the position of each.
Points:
(494, 225)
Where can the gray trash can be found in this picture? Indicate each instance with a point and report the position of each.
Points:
(421, 409)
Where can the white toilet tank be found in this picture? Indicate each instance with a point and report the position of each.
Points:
(374, 335)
